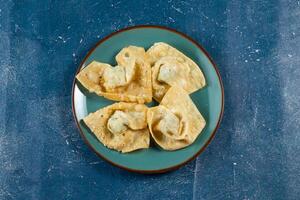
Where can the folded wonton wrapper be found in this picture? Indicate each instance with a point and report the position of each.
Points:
(176, 122)
(129, 81)
(170, 67)
(121, 126)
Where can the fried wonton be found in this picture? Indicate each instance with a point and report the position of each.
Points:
(120, 126)
(129, 81)
(176, 122)
(171, 67)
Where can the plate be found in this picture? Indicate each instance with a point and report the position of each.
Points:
(209, 100)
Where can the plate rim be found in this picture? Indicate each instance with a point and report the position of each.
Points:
(163, 170)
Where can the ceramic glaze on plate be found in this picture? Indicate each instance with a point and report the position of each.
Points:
(209, 100)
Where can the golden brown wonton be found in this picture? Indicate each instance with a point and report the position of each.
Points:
(129, 81)
(170, 67)
(120, 126)
(176, 122)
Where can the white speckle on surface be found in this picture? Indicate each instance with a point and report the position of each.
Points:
(177, 9)
(234, 176)
(129, 20)
(251, 166)
(248, 47)
(171, 19)
(257, 59)
(204, 16)
(234, 163)
(246, 61)
(69, 27)
(94, 163)
(115, 4)
(63, 40)
(67, 142)
(81, 176)
(255, 116)
(195, 179)
(98, 36)
(50, 168)
(80, 40)
(293, 33)
(69, 162)
(290, 55)
(73, 54)
(257, 50)
(17, 27)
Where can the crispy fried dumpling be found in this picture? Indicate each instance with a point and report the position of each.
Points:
(170, 67)
(129, 81)
(176, 122)
(121, 126)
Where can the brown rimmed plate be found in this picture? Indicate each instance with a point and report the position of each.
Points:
(209, 100)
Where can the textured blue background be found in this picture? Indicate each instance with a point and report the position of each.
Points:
(255, 154)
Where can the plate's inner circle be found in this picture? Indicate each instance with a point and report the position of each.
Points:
(208, 100)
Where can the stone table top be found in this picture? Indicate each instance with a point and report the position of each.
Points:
(255, 153)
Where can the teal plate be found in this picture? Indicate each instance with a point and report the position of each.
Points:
(209, 100)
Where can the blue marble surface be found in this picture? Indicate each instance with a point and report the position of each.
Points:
(255, 153)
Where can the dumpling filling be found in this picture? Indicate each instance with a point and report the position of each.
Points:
(175, 73)
(118, 76)
(170, 125)
(118, 122)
